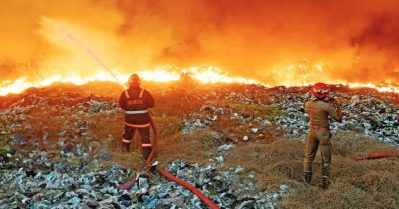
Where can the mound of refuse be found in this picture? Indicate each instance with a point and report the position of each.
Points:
(365, 111)
(75, 179)
(53, 156)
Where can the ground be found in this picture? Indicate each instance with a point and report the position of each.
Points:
(194, 120)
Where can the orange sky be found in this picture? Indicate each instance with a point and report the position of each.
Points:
(272, 41)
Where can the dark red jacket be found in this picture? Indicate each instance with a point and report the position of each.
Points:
(135, 100)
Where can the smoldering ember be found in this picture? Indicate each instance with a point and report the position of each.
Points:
(241, 145)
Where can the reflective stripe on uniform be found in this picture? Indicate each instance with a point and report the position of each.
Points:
(127, 94)
(138, 126)
(141, 93)
(134, 112)
(146, 145)
(126, 141)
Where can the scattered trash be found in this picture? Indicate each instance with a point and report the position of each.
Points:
(69, 185)
(220, 159)
(254, 130)
(366, 111)
(224, 148)
(70, 173)
(106, 155)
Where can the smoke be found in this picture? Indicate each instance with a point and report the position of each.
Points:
(273, 41)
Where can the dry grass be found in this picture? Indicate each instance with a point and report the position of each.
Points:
(365, 184)
(274, 161)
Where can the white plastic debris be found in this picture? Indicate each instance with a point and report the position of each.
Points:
(220, 159)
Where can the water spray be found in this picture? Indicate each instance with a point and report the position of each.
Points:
(91, 53)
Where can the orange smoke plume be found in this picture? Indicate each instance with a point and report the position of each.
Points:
(271, 42)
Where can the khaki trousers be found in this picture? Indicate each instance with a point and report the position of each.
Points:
(318, 137)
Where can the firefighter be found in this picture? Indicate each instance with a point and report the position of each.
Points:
(135, 101)
(320, 109)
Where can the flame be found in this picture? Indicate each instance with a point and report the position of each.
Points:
(214, 75)
(167, 73)
(386, 88)
(298, 74)
(22, 83)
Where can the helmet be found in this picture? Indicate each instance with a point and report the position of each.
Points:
(320, 90)
(134, 79)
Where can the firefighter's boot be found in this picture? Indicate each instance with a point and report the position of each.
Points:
(126, 147)
(326, 176)
(307, 178)
(325, 183)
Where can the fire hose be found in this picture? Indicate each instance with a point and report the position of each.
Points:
(166, 174)
(375, 156)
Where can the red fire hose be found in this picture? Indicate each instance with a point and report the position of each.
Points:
(166, 174)
(375, 156)
(190, 187)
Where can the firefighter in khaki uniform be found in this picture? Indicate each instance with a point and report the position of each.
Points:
(135, 101)
(320, 110)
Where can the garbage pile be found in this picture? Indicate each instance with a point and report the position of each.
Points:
(253, 107)
(71, 114)
(51, 156)
(77, 179)
(368, 112)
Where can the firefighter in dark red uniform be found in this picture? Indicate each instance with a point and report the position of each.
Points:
(135, 101)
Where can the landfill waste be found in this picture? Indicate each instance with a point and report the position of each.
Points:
(223, 148)
(365, 111)
(52, 156)
(28, 183)
(255, 108)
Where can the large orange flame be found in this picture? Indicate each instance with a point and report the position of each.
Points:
(161, 74)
